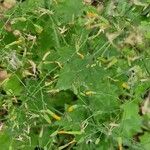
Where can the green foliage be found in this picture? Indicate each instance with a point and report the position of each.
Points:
(77, 75)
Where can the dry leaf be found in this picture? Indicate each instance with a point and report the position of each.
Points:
(8, 27)
(87, 1)
(146, 105)
(134, 37)
(3, 75)
(1, 126)
(7, 4)
(112, 36)
(33, 66)
(13, 60)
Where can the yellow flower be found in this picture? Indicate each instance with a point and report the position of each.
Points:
(80, 55)
(125, 85)
(91, 15)
(70, 132)
(89, 93)
(52, 114)
(71, 108)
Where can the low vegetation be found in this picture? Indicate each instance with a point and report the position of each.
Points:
(75, 75)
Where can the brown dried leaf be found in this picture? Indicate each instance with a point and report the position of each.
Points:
(112, 36)
(7, 4)
(134, 37)
(87, 1)
(8, 27)
(3, 75)
(146, 105)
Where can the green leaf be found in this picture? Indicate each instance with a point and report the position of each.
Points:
(13, 85)
(145, 141)
(67, 10)
(131, 120)
(5, 140)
